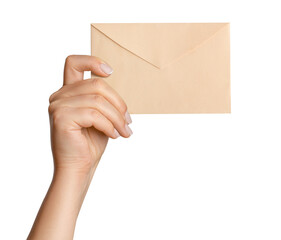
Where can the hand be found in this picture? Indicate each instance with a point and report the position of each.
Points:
(83, 114)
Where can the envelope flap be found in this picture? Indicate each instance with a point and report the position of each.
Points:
(159, 43)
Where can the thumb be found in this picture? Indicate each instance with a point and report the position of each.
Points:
(75, 65)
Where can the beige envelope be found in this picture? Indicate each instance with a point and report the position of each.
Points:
(167, 67)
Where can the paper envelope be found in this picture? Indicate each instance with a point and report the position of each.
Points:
(167, 67)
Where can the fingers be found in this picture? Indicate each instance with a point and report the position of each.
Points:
(67, 119)
(98, 103)
(75, 65)
(95, 86)
(89, 103)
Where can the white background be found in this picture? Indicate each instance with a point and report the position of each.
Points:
(179, 176)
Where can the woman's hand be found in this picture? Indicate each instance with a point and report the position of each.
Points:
(83, 114)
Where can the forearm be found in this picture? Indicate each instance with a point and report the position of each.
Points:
(58, 213)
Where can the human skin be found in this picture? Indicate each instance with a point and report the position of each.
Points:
(83, 115)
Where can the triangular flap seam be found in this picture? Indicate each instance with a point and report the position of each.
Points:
(174, 59)
(195, 47)
(125, 47)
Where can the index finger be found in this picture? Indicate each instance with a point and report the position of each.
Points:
(75, 65)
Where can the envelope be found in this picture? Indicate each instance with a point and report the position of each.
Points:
(167, 67)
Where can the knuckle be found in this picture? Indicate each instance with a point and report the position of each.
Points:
(54, 94)
(120, 121)
(52, 97)
(94, 60)
(69, 59)
(58, 116)
(51, 107)
(97, 98)
(123, 107)
(97, 83)
(95, 114)
(55, 104)
(87, 82)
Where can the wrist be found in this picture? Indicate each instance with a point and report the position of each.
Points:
(74, 167)
(77, 180)
(73, 175)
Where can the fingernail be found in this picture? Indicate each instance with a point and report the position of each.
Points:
(128, 117)
(128, 129)
(116, 133)
(106, 69)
